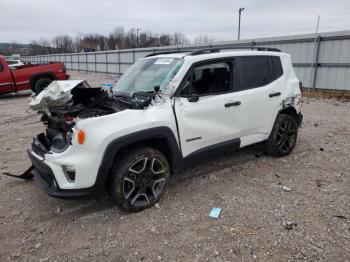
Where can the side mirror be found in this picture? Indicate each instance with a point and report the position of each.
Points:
(193, 99)
(156, 89)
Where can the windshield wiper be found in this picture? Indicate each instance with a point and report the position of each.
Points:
(146, 94)
(122, 94)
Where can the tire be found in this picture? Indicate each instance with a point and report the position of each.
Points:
(283, 137)
(41, 84)
(138, 179)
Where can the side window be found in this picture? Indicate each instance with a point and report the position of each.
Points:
(1, 68)
(11, 62)
(276, 67)
(207, 79)
(256, 71)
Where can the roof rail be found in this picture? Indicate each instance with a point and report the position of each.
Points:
(218, 49)
(169, 52)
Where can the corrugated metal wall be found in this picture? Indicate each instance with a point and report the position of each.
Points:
(322, 62)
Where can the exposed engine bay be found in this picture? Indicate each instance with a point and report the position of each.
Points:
(63, 103)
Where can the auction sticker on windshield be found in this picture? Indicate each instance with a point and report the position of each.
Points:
(164, 61)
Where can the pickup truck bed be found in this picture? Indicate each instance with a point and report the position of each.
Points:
(34, 77)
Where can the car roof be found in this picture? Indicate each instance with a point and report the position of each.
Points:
(221, 54)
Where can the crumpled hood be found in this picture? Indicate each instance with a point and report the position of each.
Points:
(58, 93)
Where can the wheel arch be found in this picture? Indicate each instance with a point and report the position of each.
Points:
(36, 77)
(160, 138)
(290, 111)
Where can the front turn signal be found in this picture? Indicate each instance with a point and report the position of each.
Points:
(81, 137)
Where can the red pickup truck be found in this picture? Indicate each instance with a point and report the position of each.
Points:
(34, 77)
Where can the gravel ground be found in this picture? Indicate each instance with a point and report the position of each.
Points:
(286, 209)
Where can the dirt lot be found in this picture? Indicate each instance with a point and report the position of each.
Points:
(260, 221)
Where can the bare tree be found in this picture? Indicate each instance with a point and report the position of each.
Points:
(41, 47)
(118, 39)
(180, 39)
(203, 39)
(63, 44)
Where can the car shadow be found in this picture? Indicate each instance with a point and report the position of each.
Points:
(16, 95)
(218, 163)
(84, 207)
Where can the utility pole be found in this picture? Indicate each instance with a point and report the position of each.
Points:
(239, 21)
(137, 35)
(313, 62)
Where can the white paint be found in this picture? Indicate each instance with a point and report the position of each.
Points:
(201, 124)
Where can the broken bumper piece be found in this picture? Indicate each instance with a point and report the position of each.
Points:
(44, 175)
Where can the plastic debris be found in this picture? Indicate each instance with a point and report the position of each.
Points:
(340, 217)
(108, 87)
(290, 225)
(287, 189)
(26, 175)
(215, 212)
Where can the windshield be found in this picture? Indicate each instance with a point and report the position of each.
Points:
(147, 75)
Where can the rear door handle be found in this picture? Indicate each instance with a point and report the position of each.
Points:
(275, 94)
(237, 103)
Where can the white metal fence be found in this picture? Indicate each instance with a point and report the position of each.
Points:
(321, 61)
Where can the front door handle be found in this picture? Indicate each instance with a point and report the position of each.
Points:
(275, 94)
(237, 103)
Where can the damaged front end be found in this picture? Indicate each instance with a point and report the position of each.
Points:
(64, 103)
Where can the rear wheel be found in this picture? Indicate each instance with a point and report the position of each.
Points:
(138, 179)
(41, 84)
(283, 136)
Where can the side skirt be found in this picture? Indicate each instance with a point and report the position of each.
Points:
(211, 151)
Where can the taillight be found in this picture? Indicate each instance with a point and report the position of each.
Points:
(301, 86)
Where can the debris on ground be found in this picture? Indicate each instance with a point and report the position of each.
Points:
(340, 217)
(287, 189)
(215, 212)
(240, 230)
(290, 225)
(26, 175)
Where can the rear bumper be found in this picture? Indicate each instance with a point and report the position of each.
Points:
(45, 177)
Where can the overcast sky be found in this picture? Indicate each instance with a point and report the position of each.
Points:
(25, 20)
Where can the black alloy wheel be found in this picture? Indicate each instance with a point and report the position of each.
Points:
(283, 137)
(139, 179)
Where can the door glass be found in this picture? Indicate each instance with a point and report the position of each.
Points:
(256, 71)
(209, 79)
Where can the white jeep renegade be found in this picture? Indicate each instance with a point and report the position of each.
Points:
(165, 112)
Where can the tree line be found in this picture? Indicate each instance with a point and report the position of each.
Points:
(119, 38)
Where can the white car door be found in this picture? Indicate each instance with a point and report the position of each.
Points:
(204, 108)
(260, 92)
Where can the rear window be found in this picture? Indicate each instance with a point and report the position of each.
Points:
(257, 71)
(277, 70)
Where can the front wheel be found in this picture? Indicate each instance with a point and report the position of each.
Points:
(283, 136)
(138, 179)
